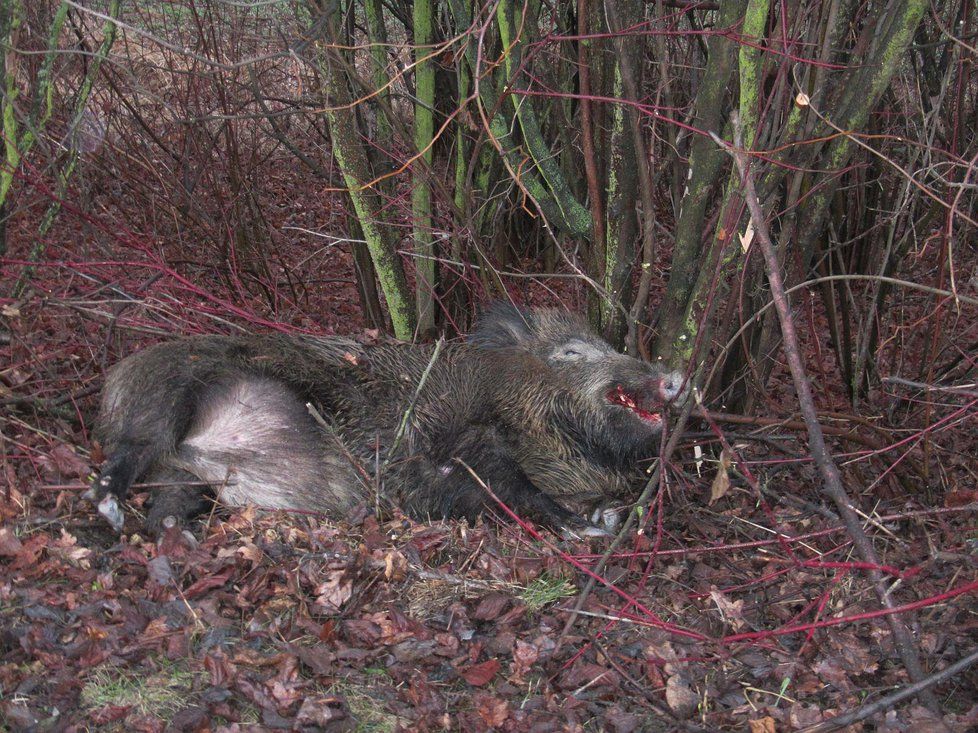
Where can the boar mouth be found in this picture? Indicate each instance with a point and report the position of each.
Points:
(619, 396)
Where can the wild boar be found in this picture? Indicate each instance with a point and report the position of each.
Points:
(533, 403)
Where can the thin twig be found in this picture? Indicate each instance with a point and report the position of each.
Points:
(968, 390)
(885, 703)
(409, 411)
(831, 478)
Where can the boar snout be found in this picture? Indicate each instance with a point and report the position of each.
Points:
(672, 387)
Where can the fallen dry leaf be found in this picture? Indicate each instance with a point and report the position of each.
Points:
(731, 611)
(762, 725)
(62, 463)
(525, 655)
(9, 544)
(334, 591)
(324, 713)
(68, 549)
(491, 606)
(481, 674)
(493, 710)
(680, 697)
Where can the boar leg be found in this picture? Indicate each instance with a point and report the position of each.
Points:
(480, 457)
(148, 403)
(151, 399)
(182, 500)
(126, 463)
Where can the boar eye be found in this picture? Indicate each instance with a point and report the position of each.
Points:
(571, 351)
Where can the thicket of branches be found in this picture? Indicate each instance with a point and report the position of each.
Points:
(478, 143)
(672, 167)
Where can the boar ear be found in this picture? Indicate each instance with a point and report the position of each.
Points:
(503, 325)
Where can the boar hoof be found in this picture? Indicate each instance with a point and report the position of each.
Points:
(587, 530)
(109, 508)
(608, 518)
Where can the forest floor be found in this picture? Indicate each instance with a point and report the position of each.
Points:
(750, 611)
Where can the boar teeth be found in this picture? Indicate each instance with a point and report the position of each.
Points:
(618, 396)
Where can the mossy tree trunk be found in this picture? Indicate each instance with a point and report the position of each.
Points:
(19, 139)
(67, 168)
(684, 295)
(869, 77)
(543, 181)
(629, 177)
(845, 96)
(354, 166)
(424, 127)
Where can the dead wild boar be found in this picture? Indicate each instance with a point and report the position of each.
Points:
(543, 411)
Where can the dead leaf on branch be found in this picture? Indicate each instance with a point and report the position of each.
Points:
(721, 482)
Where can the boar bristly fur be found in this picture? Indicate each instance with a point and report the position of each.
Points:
(540, 409)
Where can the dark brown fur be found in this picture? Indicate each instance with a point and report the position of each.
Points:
(528, 403)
